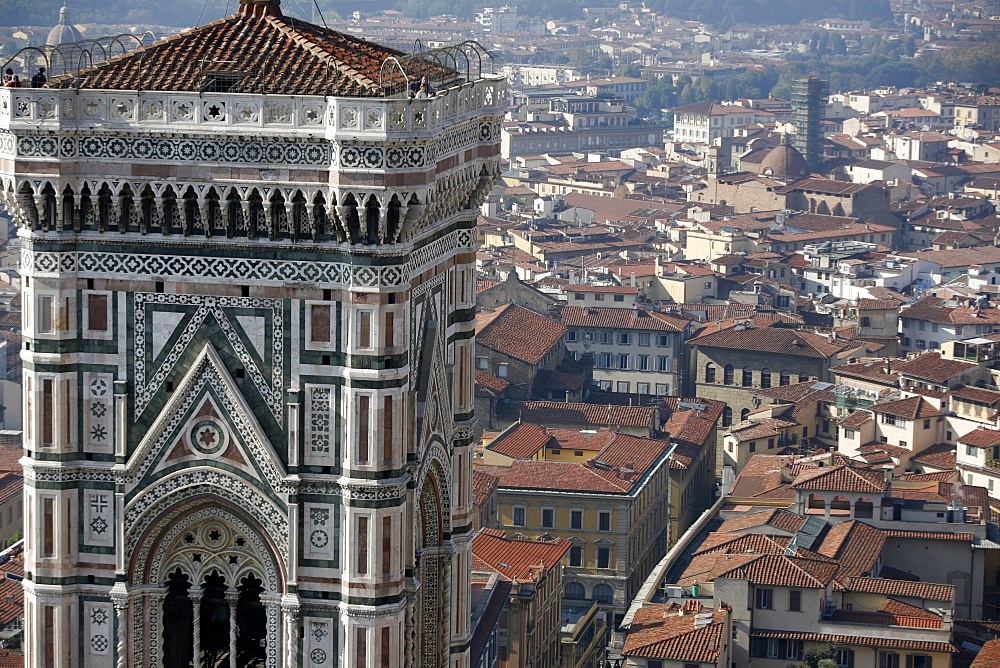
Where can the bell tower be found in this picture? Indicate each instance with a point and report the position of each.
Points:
(248, 347)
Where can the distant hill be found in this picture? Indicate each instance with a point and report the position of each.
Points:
(764, 12)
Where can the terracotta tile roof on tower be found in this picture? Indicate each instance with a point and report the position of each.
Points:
(519, 333)
(515, 559)
(556, 412)
(271, 54)
(622, 319)
(771, 340)
(906, 588)
(841, 479)
(660, 632)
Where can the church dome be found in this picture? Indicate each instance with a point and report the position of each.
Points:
(64, 32)
(784, 162)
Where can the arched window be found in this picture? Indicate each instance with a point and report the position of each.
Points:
(727, 374)
(803, 377)
(727, 416)
(784, 378)
(747, 377)
(709, 373)
(765, 378)
(576, 591)
(604, 594)
(744, 414)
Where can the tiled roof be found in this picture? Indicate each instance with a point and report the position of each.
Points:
(761, 477)
(520, 441)
(803, 395)
(841, 479)
(926, 590)
(977, 394)
(933, 309)
(556, 412)
(911, 408)
(483, 484)
(750, 430)
(775, 518)
(488, 384)
(771, 340)
(519, 333)
(939, 455)
(742, 543)
(981, 438)
(961, 537)
(11, 485)
(878, 304)
(10, 458)
(873, 370)
(933, 366)
(603, 289)
(864, 641)
(856, 420)
(11, 659)
(622, 319)
(879, 447)
(855, 545)
(273, 54)
(516, 559)
(988, 656)
(658, 632)
(778, 570)
(11, 591)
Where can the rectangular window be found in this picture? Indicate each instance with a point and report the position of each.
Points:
(363, 428)
(642, 362)
(622, 387)
(642, 388)
(919, 661)
(623, 361)
(388, 333)
(362, 648)
(624, 339)
(319, 323)
(578, 296)
(48, 527)
(644, 339)
(663, 340)
(605, 337)
(927, 423)
(604, 520)
(519, 516)
(795, 600)
(571, 335)
(483, 363)
(97, 313)
(619, 298)
(576, 519)
(576, 555)
(888, 660)
(662, 363)
(662, 389)
(48, 418)
(44, 314)
(387, 435)
(548, 517)
(502, 370)
(763, 598)
(364, 329)
(362, 546)
(604, 557)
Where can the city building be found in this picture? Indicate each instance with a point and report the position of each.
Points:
(248, 355)
(809, 97)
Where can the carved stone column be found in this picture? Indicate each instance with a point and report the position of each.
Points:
(232, 598)
(41, 219)
(344, 217)
(204, 221)
(289, 225)
(119, 597)
(290, 614)
(195, 593)
(122, 213)
(156, 598)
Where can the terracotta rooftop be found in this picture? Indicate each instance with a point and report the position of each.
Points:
(763, 477)
(855, 545)
(934, 309)
(777, 570)
(977, 395)
(906, 588)
(961, 537)
(518, 333)
(856, 420)
(981, 438)
(886, 643)
(841, 479)
(488, 384)
(483, 484)
(939, 455)
(771, 340)
(775, 518)
(550, 413)
(622, 319)
(988, 656)
(663, 632)
(892, 613)
(516, 559)
(911, 408)
(933, 366)
(522, 440)
(252, 51)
